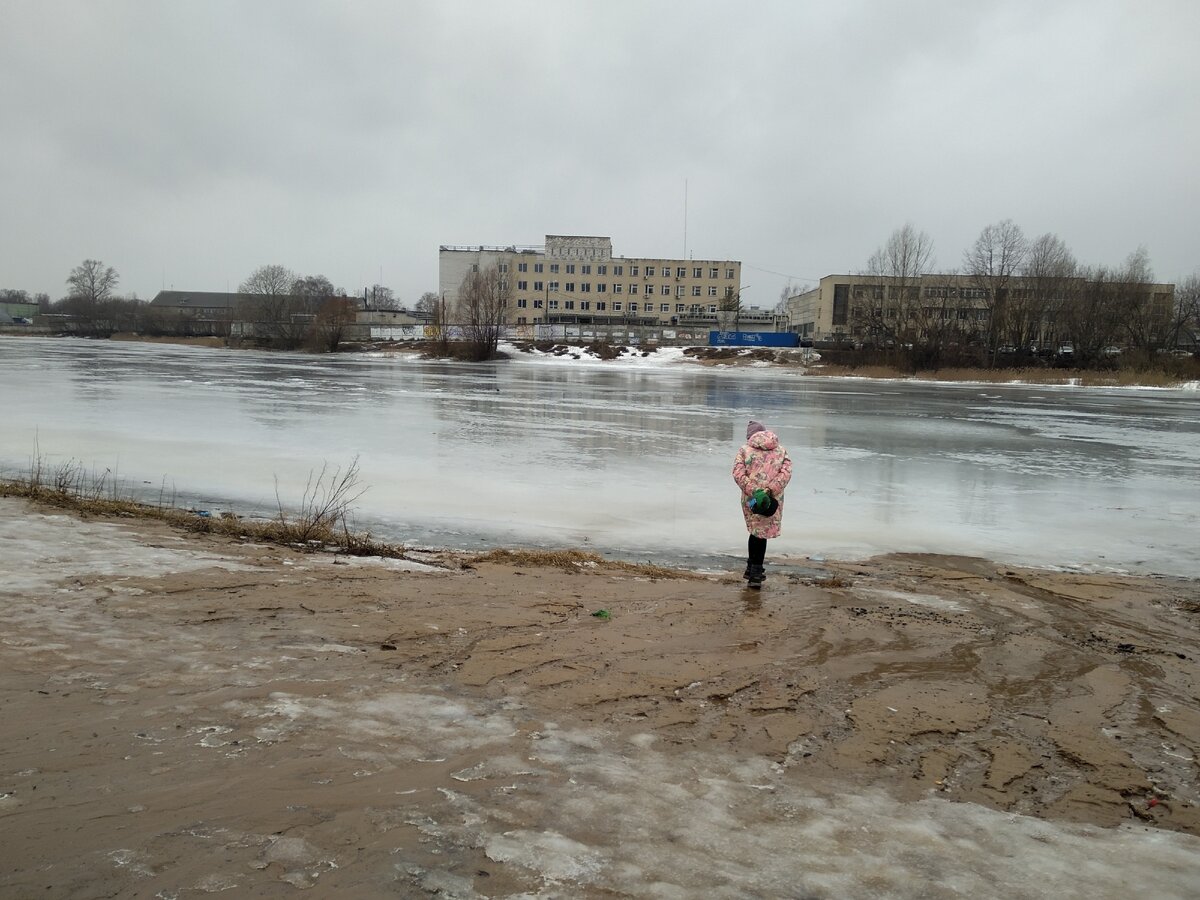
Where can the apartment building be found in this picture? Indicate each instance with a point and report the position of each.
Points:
(866, 307)
(575, 279)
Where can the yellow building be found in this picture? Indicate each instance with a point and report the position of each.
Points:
(577, 280)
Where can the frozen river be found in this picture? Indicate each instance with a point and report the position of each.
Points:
(627, 459)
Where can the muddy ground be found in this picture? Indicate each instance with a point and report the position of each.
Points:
(235, 720)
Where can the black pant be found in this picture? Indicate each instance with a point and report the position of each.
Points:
(756, 550)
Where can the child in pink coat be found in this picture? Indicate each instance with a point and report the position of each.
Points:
(761, 463)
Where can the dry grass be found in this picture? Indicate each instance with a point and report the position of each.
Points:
(574, 561)
(319, 523)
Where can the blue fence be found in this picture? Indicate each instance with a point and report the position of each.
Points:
(753, 339)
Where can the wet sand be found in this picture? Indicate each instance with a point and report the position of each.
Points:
(246, 719)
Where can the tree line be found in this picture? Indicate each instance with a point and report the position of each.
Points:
(279, 307)
(1013, 295)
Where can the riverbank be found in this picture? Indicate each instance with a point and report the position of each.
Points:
(203, 711)
(803, 361)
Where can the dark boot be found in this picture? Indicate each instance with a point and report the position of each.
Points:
(746, 574)
(755, 575)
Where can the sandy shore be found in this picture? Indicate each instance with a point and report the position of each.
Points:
(182, 709)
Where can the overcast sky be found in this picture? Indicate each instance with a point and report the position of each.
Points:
(186, 143)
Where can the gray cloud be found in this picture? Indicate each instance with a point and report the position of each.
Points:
(187, 143)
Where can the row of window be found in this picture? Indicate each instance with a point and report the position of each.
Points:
(860, 293)
(648, 290)
(619, 270)
(617, 306)
(932, 312)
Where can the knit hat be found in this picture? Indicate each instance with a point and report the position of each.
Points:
(753, 428)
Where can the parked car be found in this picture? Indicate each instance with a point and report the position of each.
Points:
(1111, 351)
(1066, 349)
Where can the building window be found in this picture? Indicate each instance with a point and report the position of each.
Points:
(554, 304)
(553, 268)
(679, 290)
(649, 290)
(585, 270)
(696, 272)
(633, 270)
(503, 267)
(666, 290)
(522, 303)
(568, 304)
(601, 270)
(537, 267)
(633, 289)
(616, 306)
(618, 287)
(537, 285)
(681, 272)
(679, 307)
(695, 290)
(570, 286)
(585, 288)
(713, 272)
(618, 271)
(729, 293)
(633, 307)
(601, 287)
(522, 285)
(520, 320)
(664, 307)
(649, 271)
(570, 268)
(522, 267)
(537, 304)
(712, 290)
(712, 307)
(729, 273)
(600, 306)
(694, 309)
(554, 285)
(585, 304)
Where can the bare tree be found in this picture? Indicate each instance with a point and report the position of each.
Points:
(788, 291)
(269, 281)
(314, 290)
(92, 281)
(380, 297)
(1145, 314)
(1185, 315)
(886, 307)
(1049, 277)
(428, 304)
(1090, 312)
(333, 318)
(991, 262)
(482, 299)
(275, 313)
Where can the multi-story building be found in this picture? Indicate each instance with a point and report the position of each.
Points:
(1027, 310)
(577, 280)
